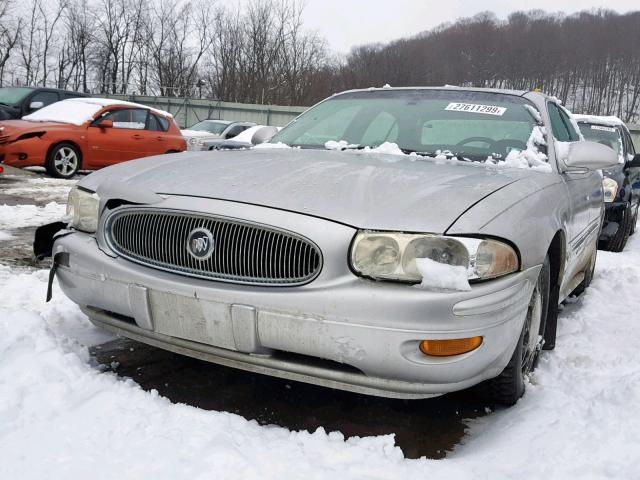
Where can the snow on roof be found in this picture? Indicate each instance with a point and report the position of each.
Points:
(609, 121)
(77, 111)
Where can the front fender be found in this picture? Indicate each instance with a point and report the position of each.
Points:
(528, 213)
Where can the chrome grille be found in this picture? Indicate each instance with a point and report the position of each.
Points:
(243, 252)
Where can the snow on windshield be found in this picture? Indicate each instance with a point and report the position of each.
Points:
(77, 111)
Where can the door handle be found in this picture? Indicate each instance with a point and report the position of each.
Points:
(160, 138)
(137, 137)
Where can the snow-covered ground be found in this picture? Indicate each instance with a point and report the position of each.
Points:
(63, 417)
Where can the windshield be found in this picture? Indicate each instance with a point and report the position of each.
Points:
(472, 125)
(13, 95)
(209, 126)
(609, 136)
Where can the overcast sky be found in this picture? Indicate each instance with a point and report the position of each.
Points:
(346, 23)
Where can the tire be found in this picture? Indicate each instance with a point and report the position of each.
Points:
(634, 221)
(619, 240)
(63, 161)
(588, 274)
(508, 387)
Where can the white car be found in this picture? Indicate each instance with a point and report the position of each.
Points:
(196, 135)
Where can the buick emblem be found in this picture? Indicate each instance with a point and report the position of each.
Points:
(200, 243)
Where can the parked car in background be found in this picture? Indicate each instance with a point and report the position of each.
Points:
(621, 183)
(87, 134)
(196, 135)
(394, 242)
(15, 102)
(251, 136)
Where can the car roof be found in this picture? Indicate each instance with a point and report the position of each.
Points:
(30, 87)
(519, 93)
(216, 120)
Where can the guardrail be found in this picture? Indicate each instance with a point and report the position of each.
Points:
(189, 111)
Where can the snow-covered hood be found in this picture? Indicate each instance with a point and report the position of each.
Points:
(363, 190)
(198, 134)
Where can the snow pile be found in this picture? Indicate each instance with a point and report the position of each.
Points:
(5, 236)
(77, 111)
(436, 275)
(531, 158)
(388, 148)
(19, 216)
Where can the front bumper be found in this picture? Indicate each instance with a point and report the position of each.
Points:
(345, 332)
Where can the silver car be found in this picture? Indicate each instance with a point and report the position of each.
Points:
(399, 242)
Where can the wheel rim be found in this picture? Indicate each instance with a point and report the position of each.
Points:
(531, 342)
(65, 161)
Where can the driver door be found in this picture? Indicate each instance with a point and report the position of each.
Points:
(126, 140)
(585, 195)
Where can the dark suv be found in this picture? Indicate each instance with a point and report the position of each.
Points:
(15, 102)
(621, 184)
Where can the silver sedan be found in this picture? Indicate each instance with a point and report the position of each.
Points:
(394, 242)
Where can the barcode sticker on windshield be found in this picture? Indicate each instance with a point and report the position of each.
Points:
(475, 108)
(604, 129)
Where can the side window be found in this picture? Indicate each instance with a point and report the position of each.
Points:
(628, 147)
(233, 131)
(47, 98)
(383, 128)
(128, 118)
(573, 135)
(157, 124)
(558, 126)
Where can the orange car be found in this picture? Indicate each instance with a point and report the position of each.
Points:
(87, 134)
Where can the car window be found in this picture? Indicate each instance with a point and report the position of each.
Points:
(558, 126)
(573, 134)
(472, 125)
(47, 98)
(211, 126)
(13, 95)
(72, 95)
(325, 126)
(606, 135)
(127, 118)
(157, 124)
(629, 148)
(383, 128)
(235, 130)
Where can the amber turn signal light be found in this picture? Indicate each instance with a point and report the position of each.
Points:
(449, 347)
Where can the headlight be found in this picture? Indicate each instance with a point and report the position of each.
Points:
(193, 141)
(392, 256)
(82, 209)
(610, 188)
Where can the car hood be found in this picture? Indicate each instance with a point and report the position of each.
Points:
(198, 134)
(9, 127)
(364, 190)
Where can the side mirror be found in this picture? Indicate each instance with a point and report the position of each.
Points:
(589, 155)
(35, 105)
(634, 162)
(263, 135)
(106, 123)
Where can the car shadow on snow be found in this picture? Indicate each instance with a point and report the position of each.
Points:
(429, 428)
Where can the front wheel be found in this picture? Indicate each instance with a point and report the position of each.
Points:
(619, 240)
(63, 161)
(508, 387)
